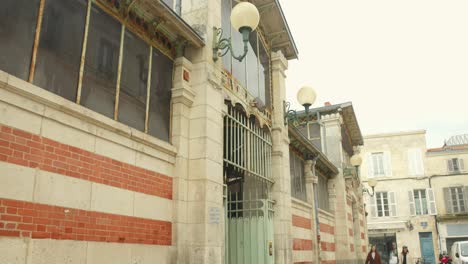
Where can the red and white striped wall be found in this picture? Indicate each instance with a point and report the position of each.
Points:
(303, 238)
(60, 203)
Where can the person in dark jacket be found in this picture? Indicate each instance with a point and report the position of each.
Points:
(373, 257)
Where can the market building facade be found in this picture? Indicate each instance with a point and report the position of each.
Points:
(126, 138)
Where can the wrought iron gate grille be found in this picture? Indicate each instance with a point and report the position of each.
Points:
(247, 175)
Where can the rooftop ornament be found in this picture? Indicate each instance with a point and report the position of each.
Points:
(244, 18)
(306, 97)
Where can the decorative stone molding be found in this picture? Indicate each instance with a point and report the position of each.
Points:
(182, 91)
(279, 62)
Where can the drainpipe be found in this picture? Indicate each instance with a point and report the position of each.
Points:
(435, 219)
(317, 222)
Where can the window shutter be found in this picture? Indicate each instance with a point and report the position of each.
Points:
(448, 201)
(431, 204)
(370, 166)
(461, 165)
(392, 203)
(387, 163)
(411, 203)
(373, 206)
(465, 197)
(415, 162)
(449, 165)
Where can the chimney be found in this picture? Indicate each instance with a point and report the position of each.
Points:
(327, 104)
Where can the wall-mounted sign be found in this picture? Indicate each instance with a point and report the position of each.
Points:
(214, 215)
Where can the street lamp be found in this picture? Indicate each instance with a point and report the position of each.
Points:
(306, 97)
(372, 183)
(244, 18)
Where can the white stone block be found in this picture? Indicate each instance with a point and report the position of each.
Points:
(152, 207)
(111, 200)
(56, 189)
(150, 254)
(153, 164)
(115, 151)
(70, 120)
(19, 118)
(48, 251)
(16, 182)
(67, 135)
(109, 253)
(12, 250)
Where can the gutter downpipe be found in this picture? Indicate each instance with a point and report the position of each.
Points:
(317, 222)
(435, 219)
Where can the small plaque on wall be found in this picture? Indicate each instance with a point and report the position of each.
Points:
(214, 214)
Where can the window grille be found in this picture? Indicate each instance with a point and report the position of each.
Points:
(296, 169)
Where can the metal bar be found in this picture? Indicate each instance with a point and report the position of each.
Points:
(148, 87)
(83, 53)
(119, 73)
(32, 66)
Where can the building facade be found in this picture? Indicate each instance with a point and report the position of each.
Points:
(126, 139)
(449, 179)
(403, 209)
(342, 230)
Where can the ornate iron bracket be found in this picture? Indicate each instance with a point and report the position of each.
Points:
(221, 46)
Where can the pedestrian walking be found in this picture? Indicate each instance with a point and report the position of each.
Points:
(405, 257)
(393, 256)
(373, 257)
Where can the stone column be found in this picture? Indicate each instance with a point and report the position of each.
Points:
(332, 125)
(182, 100)
(281, 191)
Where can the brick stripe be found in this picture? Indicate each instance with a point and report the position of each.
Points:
(351, 247)
(302, 222)
(350, 232)
(328, 262)
(362, 235)
(325, 246)
(302, 244)
(327, 229)
(350, 217)
(26, 149)
(39, 221)
(364, 249)
(304, 262)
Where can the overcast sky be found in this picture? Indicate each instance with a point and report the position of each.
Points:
(403, 63)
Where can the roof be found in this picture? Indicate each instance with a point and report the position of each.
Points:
(276, 29)
(172, 24)
(449, 148)
(396, 134)
(457, 140)
(299, 141)
(349, 118)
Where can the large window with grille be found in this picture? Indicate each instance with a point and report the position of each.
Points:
(323, 195)
(296, 168)
(253, 73)
(85, 52)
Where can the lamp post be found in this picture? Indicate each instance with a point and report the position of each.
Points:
(306, 97)
(356, 161)
(244, 18)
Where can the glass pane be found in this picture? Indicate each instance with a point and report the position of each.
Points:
(226, 26)
(160, 96)
(18, 20)
(264, 73)
(102, 58)
(59, 53)
(251, 63)
(132, 101)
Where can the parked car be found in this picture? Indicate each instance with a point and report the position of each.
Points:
(459, 252)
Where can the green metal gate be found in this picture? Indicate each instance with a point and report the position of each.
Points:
(247, 177)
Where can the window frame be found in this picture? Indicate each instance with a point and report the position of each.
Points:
(297, 174)
(163, 45)
(459, 190)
